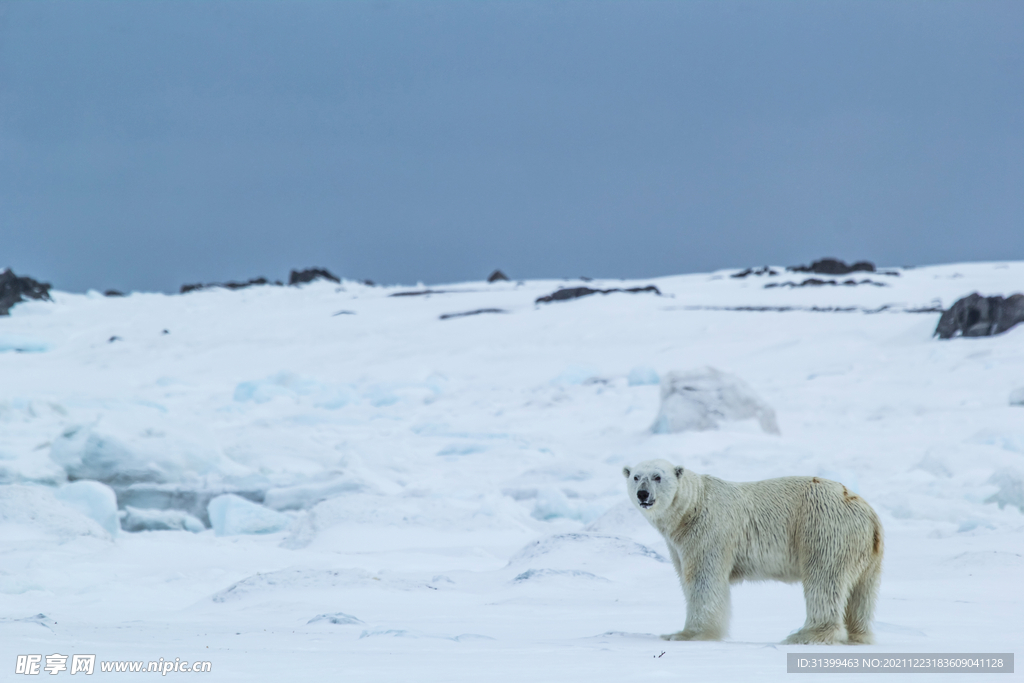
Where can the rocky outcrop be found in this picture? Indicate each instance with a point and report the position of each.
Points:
(764, 270)
(815, 282)
(498, 276)
(833, 266)
(299, 277)
(980, 316)
(185, 289)
(14, 289)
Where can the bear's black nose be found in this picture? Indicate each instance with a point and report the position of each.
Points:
(642, 495)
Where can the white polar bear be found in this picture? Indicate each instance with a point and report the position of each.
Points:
(789, 529)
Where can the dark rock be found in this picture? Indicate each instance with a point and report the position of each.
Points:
(243, 285)
(369, 283)
(166, 332)
(185, 289)
(448, 316)
(578, 292)
(765, 270)
(568, 293)
(113, 292)
(815, 282)
(113, 339)
(831, 266)
(299, 277)
(981, 316)
(14, 289)
(419, 292)
(498, 276)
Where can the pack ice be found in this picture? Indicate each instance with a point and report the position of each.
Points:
(422, 490)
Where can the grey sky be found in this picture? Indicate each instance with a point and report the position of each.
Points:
(148, 144)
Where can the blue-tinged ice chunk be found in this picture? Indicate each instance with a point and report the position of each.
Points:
(642, 375)
(95, 500)
(231, 515)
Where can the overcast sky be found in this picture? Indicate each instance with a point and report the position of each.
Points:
(148, 144)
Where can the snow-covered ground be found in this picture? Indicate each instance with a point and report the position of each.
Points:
(448, 492)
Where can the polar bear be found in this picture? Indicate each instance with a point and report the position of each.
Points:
(790, 529)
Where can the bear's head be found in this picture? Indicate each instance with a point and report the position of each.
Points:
(652, 485)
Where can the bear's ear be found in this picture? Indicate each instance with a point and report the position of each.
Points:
(625, 472)
(679, 472)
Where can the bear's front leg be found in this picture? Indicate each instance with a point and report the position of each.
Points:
(706, 588)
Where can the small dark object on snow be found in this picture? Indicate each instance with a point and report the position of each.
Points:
(577, 292)
(832, 266)
(166, 332)
(299, 277)
(113, 292)
(113, 339)
(422, 292)
(449, 316)
(498, 276)
(14, 289)
(369, 283)
(981, 316)
(343, 313)
(765, 270)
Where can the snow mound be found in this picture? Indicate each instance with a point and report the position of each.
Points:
(301, 578)
(533, 574)
(622, 518)
(137, 519)
(37, 510)
(95, 500)
(231, 515)
(697, 400)
(571, 550)
(305, 496)
(339, 618)
(1017, 397)
(553, 503)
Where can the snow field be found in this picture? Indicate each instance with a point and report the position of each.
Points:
(454, 487)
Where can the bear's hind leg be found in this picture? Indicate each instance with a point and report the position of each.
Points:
(860, 607)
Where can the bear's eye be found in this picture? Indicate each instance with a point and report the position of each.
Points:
(657, 478)
(636, 478)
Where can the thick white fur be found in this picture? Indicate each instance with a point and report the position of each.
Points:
(790, 529)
